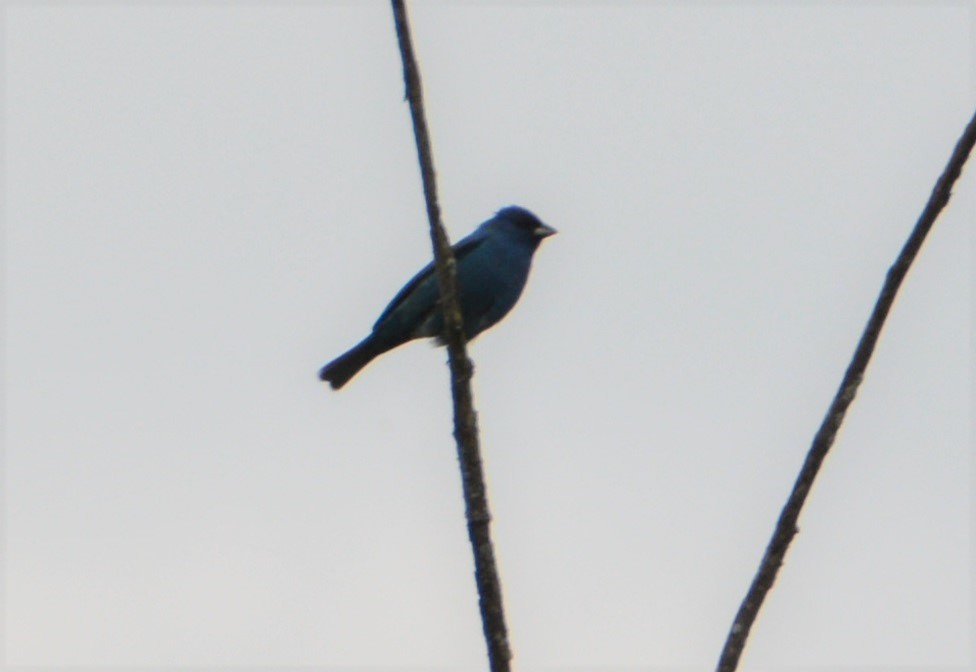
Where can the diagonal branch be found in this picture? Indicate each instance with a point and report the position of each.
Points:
(824, 439)
(465, 423)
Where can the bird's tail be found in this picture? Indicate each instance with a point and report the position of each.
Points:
(342, 368)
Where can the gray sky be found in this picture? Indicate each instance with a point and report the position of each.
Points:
(203, 203)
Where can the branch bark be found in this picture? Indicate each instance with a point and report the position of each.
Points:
(465, 419)
(823, 440)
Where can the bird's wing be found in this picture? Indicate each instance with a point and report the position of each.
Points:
(461, 250)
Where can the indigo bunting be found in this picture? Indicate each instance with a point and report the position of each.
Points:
(492, 267)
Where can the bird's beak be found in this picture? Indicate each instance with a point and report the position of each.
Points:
(543, 231)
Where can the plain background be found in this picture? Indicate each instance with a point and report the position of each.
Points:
(204, 202)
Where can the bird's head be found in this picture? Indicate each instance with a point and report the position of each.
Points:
(522, 223)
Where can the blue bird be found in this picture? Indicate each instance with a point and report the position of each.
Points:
(492, 267)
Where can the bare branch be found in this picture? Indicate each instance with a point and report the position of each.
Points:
(465, 421)
(824, 439)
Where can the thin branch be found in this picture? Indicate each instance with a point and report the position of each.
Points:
(465, 422)
(824, 439)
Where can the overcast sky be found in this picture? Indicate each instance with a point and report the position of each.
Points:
(205, 202)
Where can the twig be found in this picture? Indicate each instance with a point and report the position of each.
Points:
(824, 439)
(465, 422)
